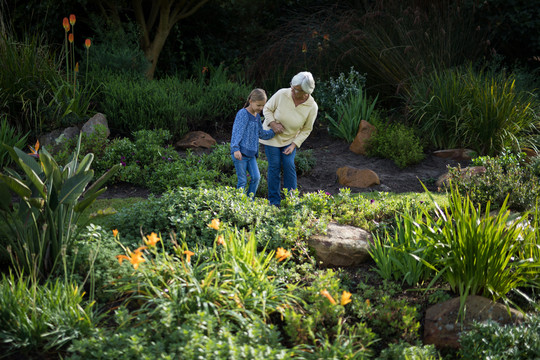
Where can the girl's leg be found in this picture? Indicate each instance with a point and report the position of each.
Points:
(289, 170)
(240, 166)
(253, 170)
(273, 155)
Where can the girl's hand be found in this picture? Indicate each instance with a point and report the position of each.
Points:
(289, 149)
(238, 155)
(277, 127)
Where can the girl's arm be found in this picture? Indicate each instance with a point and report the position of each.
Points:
(239, 127)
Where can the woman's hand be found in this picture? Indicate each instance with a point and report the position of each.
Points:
(277, 127)
(289, 149)
(238, 155)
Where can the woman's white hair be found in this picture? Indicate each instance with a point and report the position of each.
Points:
(305, 80)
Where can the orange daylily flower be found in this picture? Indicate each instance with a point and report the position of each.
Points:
(188, 254)
(282, 254)
(220, 240)
(152, 239)
(345, 298)
(214, 224)
(368, 303)
(88, 43)
(70, 38)
(326, 37)
(34, 150)
(115, 232)
(135, 258)
(304, 48)
(327, 295)
(204, 69)
(65, 24)
(72, 19)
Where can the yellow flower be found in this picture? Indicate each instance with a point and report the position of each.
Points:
(77, 66)
(327, 295)
(345, 298)
(115, 232)
(135, 258)
(152, 239)
(214, 224)
(65, 24)
(70, 38)
(220, 240)
(188, 254)
(72, 19)
(282, 254)
(88, 43)
(368, 303)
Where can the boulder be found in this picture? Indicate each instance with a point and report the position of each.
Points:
(365, 132)
(359, 178)
(55, 137)
(99, 119)
(196, 139)
(342, 245)
(442, 325)
(455, 154)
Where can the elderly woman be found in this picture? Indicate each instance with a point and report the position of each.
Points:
(291, 113)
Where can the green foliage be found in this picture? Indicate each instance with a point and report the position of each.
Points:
(10, 137)
(350, 113)
(337, 91)
(390, 319)
(170, 103)
(396, 142)
(478, 253)
(41, 318)
(504, 178)
(42, 226)
(28, 67)
(473, 109)
(406, 351)
(493, 341)
(395, 254)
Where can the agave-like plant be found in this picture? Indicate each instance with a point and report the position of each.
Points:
(42, 225)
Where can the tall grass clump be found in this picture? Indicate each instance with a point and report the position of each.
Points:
(476, 109)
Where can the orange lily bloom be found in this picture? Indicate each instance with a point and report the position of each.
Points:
(368, 303)
(188, 254)
(282, 254)
(205, 69)
(214, 224)
(72, 19)
(326, 37)
(327, 295)
(65, 24)
(115, 232)
(152, 239)
(135, 258)
(88, 43)
(220, 240)
(70, 38)
(345, 298)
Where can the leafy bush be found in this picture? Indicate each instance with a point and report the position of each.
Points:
(396, 142)
(407, 351)
(169, 103)
(503, 178)
(349, 115)
(473, 109)
(42, 318)
(10, 137)
(492, 341)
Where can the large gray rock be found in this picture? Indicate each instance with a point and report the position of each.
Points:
(342, 245)
(442, 326)
(99, 119)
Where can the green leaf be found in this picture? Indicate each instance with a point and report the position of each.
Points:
(74, 187)
(29, 161)
(5, 196)
(17, 186)
(86, 162)
(102, 180)
(34, 178)
(88, 200)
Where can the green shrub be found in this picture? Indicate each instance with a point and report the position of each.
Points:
(394, 319)
(500, 180)
(406, 351)
(41, 318)
(396, 142)
(493, 341)
(473, 109)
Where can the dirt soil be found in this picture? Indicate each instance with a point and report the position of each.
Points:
(331, 154)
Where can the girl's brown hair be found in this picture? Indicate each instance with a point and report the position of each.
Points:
(256, 95)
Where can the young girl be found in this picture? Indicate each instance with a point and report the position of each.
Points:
(247, 129)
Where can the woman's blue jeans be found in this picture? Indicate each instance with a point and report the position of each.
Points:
(277, 161)
(244, 166)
